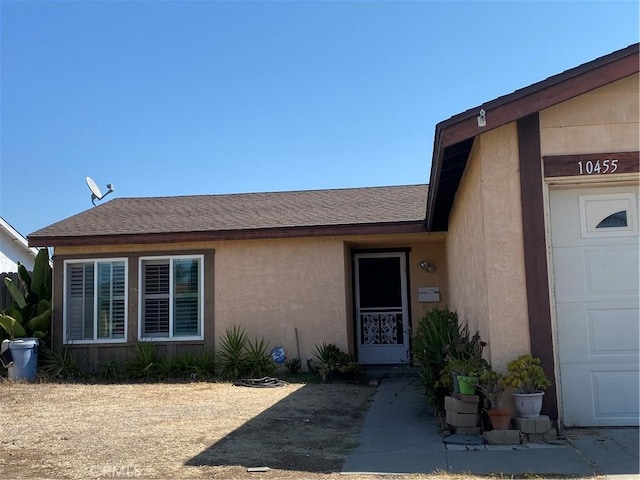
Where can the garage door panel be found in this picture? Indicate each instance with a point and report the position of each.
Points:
(599, 333)
(589, 393)
(596, 254)
(585, 273)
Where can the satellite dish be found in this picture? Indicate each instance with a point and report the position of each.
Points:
(96, 194)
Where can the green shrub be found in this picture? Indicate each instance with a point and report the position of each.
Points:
(526, 375)
(440, 339)
(146, 362)
(335, 363)
(258, 359)
(231, 355)
(293, 365)
(59, 364)
(111, 370)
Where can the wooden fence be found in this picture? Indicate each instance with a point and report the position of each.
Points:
(5, 296)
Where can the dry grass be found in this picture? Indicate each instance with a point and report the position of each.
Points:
(189, 430)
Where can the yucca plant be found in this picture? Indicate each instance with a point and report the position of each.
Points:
(146, 361)
(231, 355)
(59, 364)
(293, 365)
(258, 359)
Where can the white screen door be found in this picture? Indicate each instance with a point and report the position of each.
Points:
(382, 319)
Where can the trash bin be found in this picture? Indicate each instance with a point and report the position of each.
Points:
(24, 353)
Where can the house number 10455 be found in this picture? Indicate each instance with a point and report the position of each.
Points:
(590, 167)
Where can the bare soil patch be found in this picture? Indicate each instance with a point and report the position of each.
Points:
(188, 430)
(183, 430)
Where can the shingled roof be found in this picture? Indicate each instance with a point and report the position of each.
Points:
(396, 209)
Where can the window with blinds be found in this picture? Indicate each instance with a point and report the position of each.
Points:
(95, 300)
(171, 298)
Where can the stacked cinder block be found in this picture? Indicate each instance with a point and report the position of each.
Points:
(536, 430)
(462, 413)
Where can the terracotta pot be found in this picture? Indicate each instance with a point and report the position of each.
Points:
(500, 419)
(528, 405)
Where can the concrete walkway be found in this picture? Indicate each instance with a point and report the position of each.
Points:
(400, 436)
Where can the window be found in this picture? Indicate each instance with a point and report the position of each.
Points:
(95, 300)
(618, 219)
(171, 298)
(608, 215)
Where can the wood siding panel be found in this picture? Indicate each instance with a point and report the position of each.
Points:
(535, 253)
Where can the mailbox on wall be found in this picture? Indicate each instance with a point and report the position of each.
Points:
(428, 294)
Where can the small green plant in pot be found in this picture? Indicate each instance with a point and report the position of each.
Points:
(526, 375)
(491, 386)
(467, 371)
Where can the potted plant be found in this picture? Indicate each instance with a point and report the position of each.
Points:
(529, 380)
(467, 371)
(491, 385)
(28, 319)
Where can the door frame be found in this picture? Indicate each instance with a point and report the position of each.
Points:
(405, 292)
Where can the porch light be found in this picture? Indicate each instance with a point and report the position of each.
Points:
(425, 265)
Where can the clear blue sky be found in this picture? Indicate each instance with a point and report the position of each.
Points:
(177, 98)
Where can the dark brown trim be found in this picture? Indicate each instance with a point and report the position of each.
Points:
(509, 108)
(535, 253)
(537, 97)
(254, 234)
(600, 164)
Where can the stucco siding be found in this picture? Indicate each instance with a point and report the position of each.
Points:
(505, 270)
(273, 287)
(604, 120)
(466, 255)
(485, 249)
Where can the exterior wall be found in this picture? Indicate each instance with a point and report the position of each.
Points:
(484, 247)
(602, 121)
(13, 251)
(269, 287)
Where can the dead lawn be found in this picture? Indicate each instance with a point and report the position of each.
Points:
(183, 430)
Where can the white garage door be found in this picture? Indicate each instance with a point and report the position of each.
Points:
(596, 268)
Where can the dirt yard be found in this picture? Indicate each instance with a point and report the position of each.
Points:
(189, 430)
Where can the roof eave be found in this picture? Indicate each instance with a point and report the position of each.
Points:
(521, 103)
(416, 226)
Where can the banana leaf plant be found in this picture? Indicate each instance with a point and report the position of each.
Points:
(29, 314)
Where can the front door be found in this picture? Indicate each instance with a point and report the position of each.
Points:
(382, 318)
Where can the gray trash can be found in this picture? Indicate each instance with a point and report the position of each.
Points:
(24, 358)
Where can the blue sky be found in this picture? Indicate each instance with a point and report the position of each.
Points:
(176, 98)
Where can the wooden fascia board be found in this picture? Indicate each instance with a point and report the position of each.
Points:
(533, 99)
(524, 102)
(257, 234)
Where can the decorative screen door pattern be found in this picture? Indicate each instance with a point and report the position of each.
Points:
(381, 308)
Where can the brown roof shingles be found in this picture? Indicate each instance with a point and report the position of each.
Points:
(241, 212)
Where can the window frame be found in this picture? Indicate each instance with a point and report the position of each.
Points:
(171, 337)
(65, 309)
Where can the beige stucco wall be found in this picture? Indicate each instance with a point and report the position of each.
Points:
(602, 121)
(485, 250)
(273, 287)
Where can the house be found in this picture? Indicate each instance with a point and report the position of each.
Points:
(14, 248)
(528, 229)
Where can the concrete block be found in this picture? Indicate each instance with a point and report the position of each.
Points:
(534, 437)
(466, 398)
(550, 436)
(455, 405)
(468, 430)
(540, 424)
(462, 419)
(502, 437)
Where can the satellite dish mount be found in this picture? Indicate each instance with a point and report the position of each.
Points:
(96, 194)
